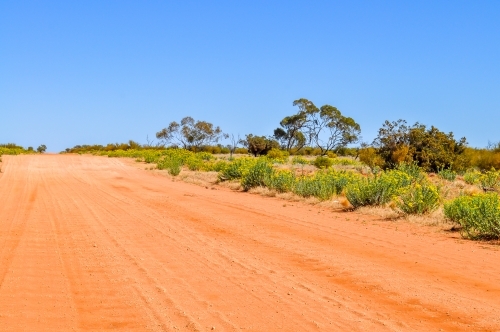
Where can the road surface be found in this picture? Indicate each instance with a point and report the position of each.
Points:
(95, 244)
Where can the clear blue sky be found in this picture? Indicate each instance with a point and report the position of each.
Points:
(94, 72)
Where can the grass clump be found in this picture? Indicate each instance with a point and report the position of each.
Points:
(479, 215)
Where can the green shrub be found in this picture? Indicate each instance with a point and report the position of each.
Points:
(171, 164)
(324, 184)
(278, 155)
(413, 170)
(447, 174)
(472, 177)
(281, 181)
(377, 190)
(419, 199)
(490, 180)
(194, 163)
(298, 160)
(323, 162)
(479, 215)
(257, 174)
(214, 166)
(235, 169)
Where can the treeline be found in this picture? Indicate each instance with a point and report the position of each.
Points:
(325, 131)
(14, 149)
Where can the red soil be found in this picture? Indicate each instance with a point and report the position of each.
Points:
(89, 243)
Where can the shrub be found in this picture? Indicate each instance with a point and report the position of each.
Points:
(235, 169)
(419, 199)
(377, 190)
(447, 174)
(324, 184)
(297, 160)
(172, 164)
(489, 180)
(323, 162)
(479, 215)
(413, 170)
(472, 177)
(194, 163)
(257, 174)
(281, 181)
(278, 155)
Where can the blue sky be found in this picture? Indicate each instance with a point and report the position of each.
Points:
(94, 72)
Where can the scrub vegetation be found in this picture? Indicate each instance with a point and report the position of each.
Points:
(316, 153)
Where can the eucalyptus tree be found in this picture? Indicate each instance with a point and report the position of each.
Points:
(190, 134)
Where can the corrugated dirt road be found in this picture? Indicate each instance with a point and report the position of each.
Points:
(91, 244)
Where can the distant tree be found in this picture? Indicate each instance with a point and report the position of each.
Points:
(328, 130)
(233, 145)
(190, 134)
(259, 145)
(41, 149)
(30, 149)
(290, 134)
(430, 148)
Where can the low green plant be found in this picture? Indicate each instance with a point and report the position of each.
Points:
(171, 164)
(323, 162)
(235, 169)
(298, 160)
(324, 184)
(280, 180)
(490, 180)
(278, 155)
(257, 174)
(472, 176)
(479, 215)
(418, 199)
(447, 174)
(413, 170)
(377, 190)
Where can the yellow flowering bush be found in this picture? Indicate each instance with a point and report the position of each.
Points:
(479, 215)
(419, 199)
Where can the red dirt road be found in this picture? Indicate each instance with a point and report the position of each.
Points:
(91, 244)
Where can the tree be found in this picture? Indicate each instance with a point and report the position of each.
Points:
(41, 149)
(430, 148)
(259, 145)
(190, 134)
(328, 129)
(233, 145)
(290, 133)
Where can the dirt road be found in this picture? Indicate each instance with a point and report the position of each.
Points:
(91, 244)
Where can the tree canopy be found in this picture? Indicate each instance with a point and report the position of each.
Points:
(190, 134)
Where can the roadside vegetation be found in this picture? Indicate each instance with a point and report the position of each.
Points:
(316, 153)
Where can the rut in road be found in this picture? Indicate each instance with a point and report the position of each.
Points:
(92, 244)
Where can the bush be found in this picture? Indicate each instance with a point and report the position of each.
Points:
(447, 174)
(323, 162)
(257, 174)
(490, 180)
(377, 190)
(278, 155)
(282, 181)
(172, 164)
(297, 160)
(324, 184)
(419, 199)
(479, 215)
(472, 177)
(235, 169)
